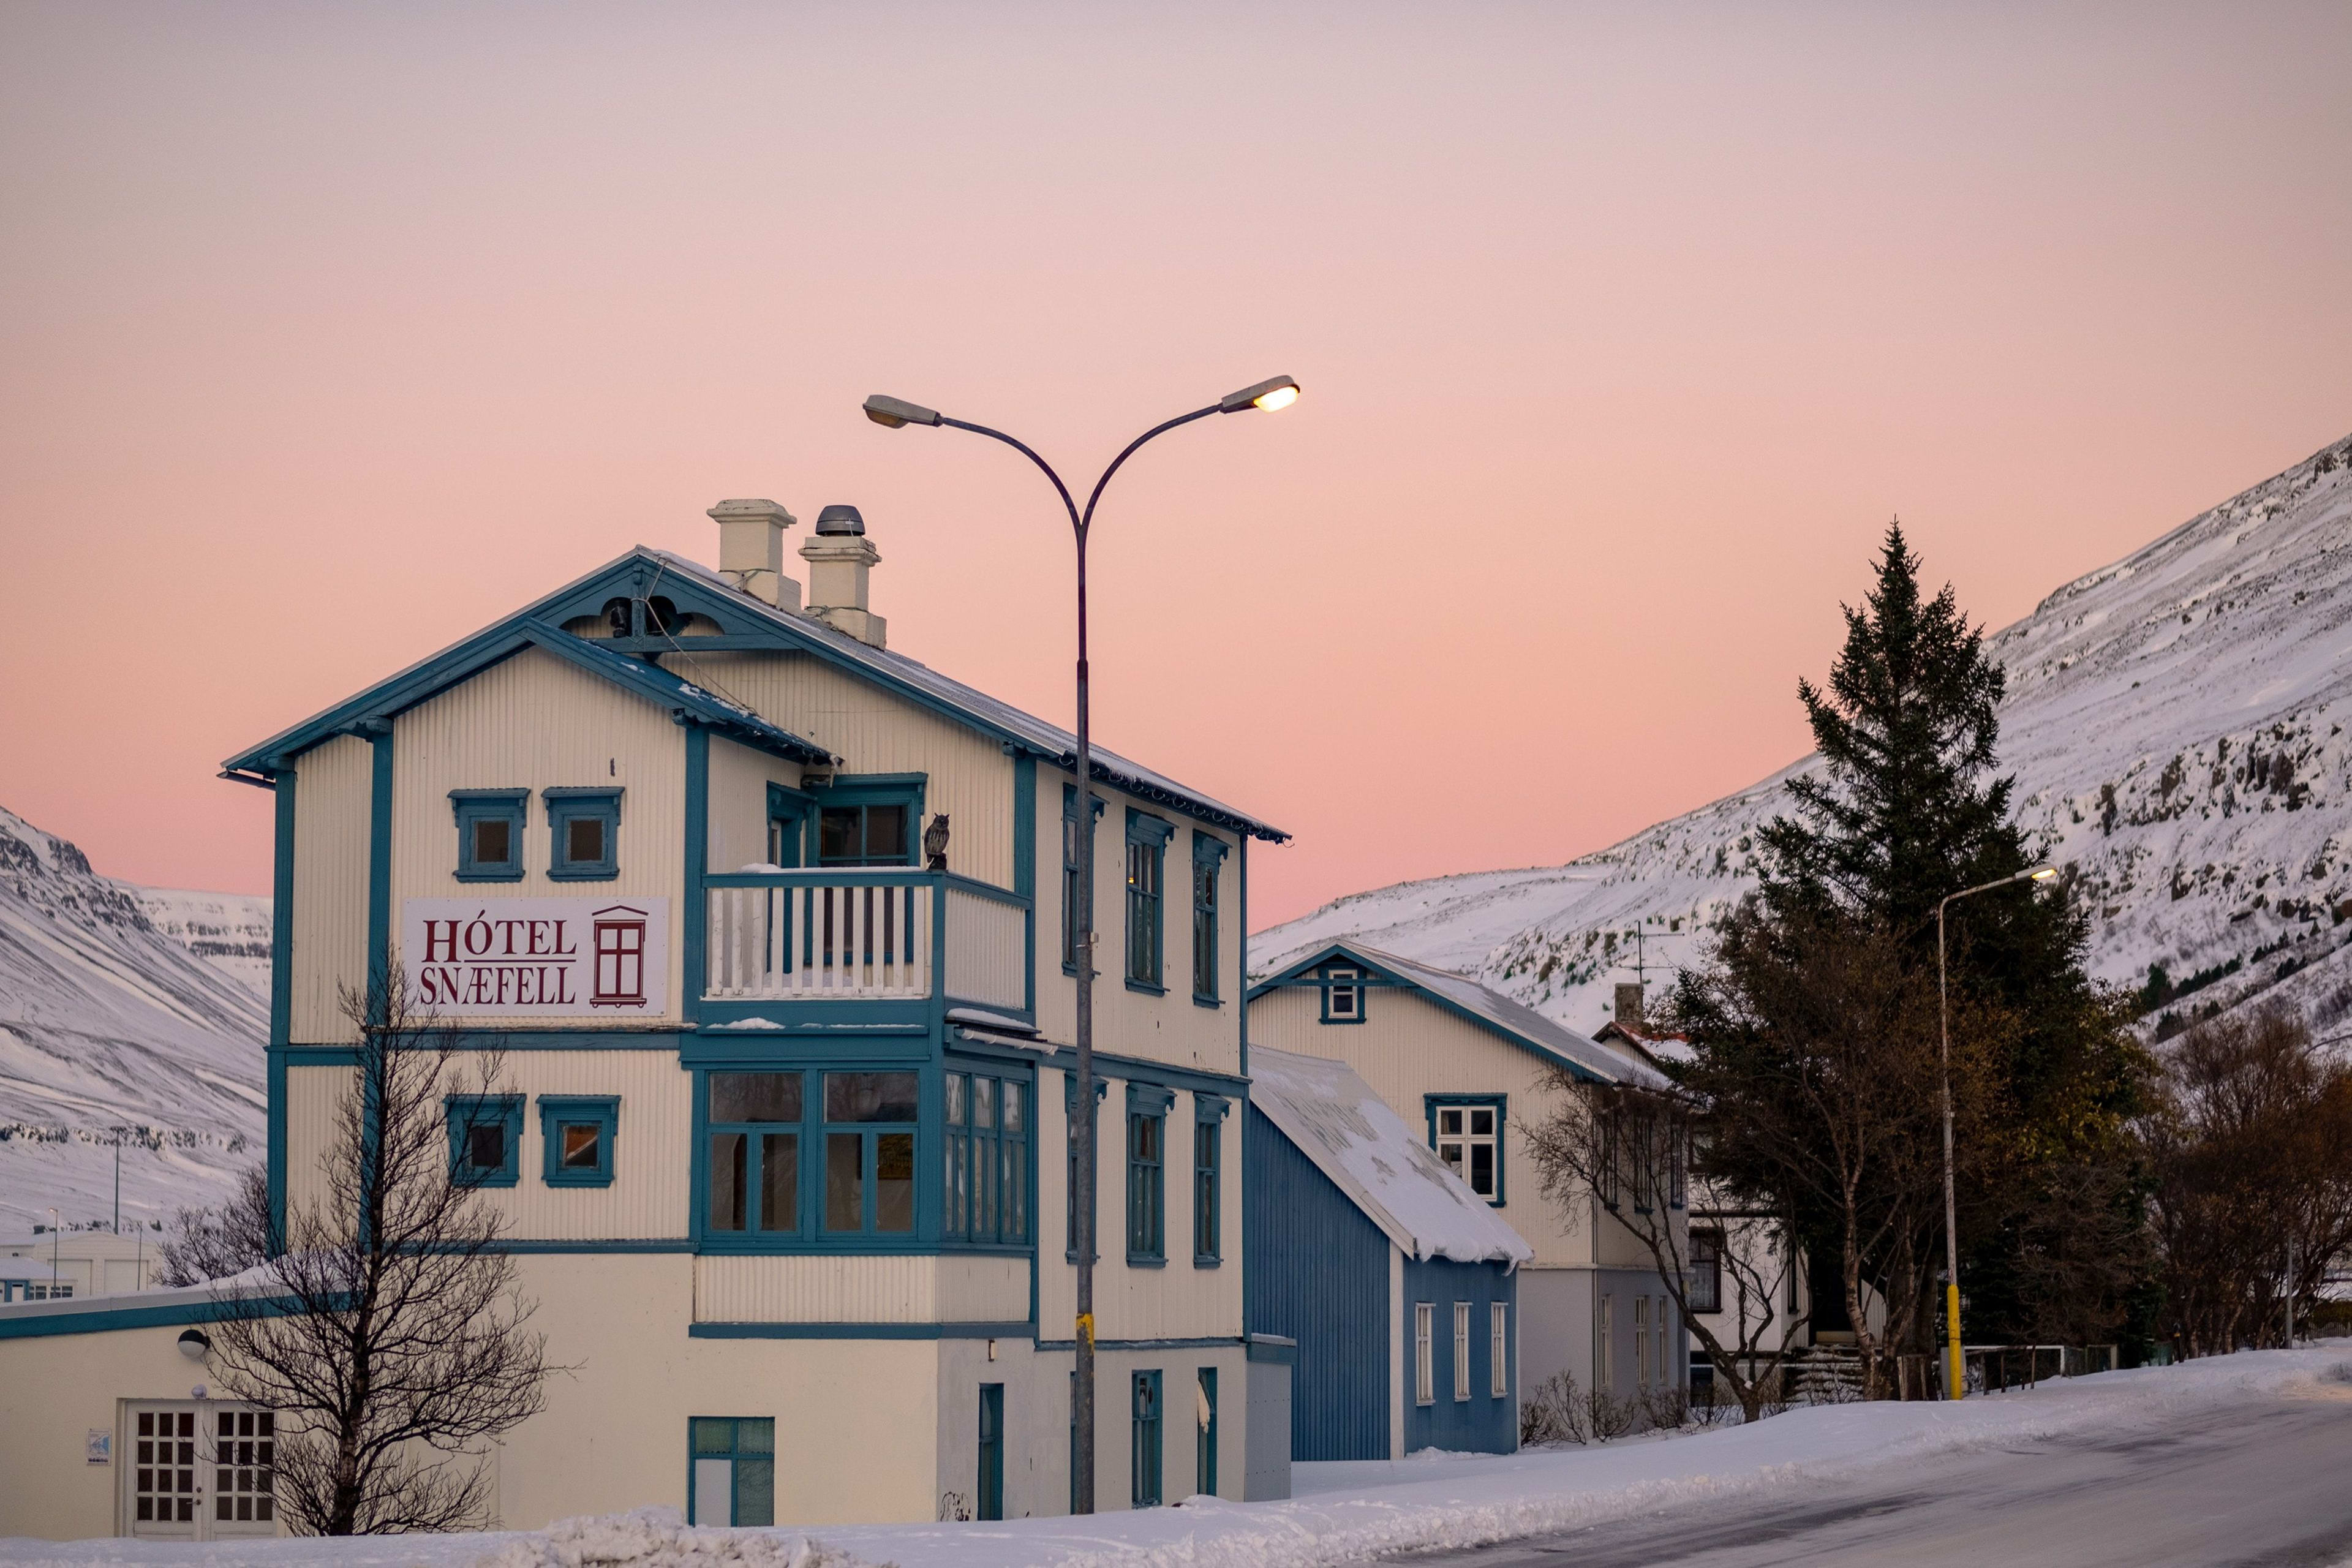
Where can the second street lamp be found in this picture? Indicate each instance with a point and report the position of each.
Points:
(1955, 1370)
(1279, 392)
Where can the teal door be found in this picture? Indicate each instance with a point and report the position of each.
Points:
(1145, 1452)
(1204, 1413)
(992, 1450)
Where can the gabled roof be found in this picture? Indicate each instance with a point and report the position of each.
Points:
(1365, 1149)
(638, 574)
(1513, 1022)
(462, 661)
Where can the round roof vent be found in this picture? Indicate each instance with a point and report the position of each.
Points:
(839, 518)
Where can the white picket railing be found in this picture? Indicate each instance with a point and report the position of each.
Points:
(802, 936)
(819, 935)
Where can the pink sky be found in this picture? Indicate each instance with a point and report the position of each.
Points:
(328, 334)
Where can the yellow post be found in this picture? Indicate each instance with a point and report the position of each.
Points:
(1955, 1369)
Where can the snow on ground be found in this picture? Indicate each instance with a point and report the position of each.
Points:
(1343, 1513)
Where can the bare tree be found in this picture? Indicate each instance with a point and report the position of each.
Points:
(2250, 1144)
(387, 1331)
(1816, 1062)
(1625, 1144)
(208, 1244)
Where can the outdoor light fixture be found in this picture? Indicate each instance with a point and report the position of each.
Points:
(890, 413)
(2044, 875)
(1279, 392)
(194, 1345)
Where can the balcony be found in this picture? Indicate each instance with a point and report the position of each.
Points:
(867, 935)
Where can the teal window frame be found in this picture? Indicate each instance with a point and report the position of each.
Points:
(861, 793)
(1070, 899)
(789, 810)
(988, 1484)
(1208, 865)
(472, 806)
(1147, 901)
(1146, 1174)
(1146, 1476)
(752, 1469)
(984, 1169)
(558, 1111)
(1204, 1451)
(755, 1234)
(1350, 978)
(1501, 1105)
(467, 1114)
(871, 1134)
(1208, 1180)
(564, 806)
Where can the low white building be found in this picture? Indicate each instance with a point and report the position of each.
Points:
(62, 1264)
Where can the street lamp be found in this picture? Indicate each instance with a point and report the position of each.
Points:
(891, 412)
(1955, 1372)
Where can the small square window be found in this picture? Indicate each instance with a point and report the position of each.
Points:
(583, 833)
(579, 1132)
(485, 1135)
(490, 833)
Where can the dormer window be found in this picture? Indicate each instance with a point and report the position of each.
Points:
(490, 833)
(1343, 994)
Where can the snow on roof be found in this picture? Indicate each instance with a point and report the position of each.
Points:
(1365, 1148)
(1002, 715)
(1547, 1036)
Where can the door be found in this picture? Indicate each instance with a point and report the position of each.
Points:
(992, 1450)
(199, 1469)
(1204, 1416)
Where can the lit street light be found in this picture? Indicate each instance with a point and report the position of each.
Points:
(1955, 1371)
(893, 414)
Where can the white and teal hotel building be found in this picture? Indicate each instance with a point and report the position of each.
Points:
(772, 928)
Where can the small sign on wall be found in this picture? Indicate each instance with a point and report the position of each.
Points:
(100, 1446)
(538, 958)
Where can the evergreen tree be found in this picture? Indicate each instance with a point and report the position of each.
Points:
(1906, 811)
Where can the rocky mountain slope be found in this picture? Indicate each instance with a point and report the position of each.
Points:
(2177, 725)
(113, 1029)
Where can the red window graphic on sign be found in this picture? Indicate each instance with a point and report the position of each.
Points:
(620, 958)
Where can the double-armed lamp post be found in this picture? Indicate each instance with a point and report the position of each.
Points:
(1079, 923)
(1955, 1370)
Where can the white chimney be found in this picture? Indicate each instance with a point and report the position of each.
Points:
(839, 558)
(751, 550)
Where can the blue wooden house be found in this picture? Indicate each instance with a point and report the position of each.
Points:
(1399, 1284)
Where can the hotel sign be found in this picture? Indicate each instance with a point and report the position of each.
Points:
(538, 958)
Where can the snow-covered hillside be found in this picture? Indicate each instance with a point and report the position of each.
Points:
(112, 1026)
(228, 931)
(2177, 725)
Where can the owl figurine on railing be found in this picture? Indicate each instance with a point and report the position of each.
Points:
(935, 844)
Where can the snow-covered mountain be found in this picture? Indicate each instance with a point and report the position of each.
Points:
(112, 1028)
(2177, 725)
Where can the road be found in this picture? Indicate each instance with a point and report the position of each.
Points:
(2267, 1483)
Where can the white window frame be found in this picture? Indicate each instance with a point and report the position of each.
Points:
(1661, 1342)
(1460, 1138)
(1641, 1343)
(1604, 1358)
(1461, 1352)
(1352, 1012)
(1498, 1334)
(1424, 1368)
(207, 1456)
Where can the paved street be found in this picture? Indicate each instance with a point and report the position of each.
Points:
(2266, 1483)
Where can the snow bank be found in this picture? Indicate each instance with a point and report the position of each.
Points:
(1345, 1513)
(660, 1537)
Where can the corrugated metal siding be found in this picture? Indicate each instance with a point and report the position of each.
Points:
(314, 1102)
(740, 777)
(331, 886)
(1318, 1272)
(1170, 1301)
(811, 1289)
(652, 1152)
(535, 722)
(1481, 1424)
(1167, 1028)
(969, 776)
(975, 1289)
(985, 949)
(1407, 1047)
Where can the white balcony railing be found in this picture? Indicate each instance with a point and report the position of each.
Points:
(864, 935)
